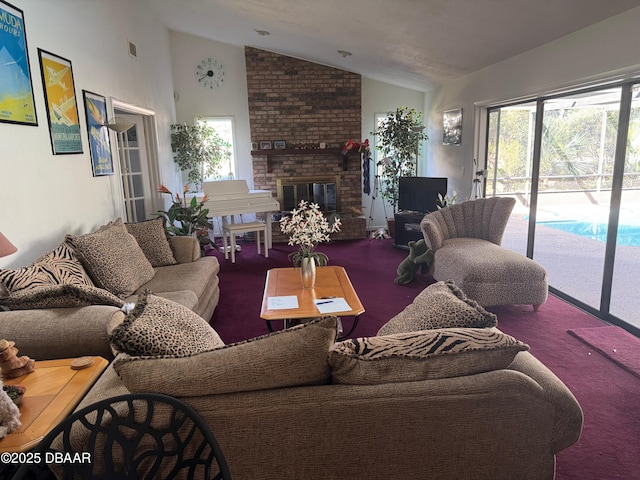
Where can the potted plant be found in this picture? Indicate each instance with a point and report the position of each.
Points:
(198, 150)
(187, 217)
(398, 140)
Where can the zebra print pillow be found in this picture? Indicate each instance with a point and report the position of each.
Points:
(60, 266)
(423, 355)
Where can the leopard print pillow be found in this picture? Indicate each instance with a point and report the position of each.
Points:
(113, 258)
(157, 326)
(440, 305)
(152, 238)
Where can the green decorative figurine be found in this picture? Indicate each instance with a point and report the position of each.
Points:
(419, 256)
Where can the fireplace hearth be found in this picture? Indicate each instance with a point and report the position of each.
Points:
(322, 190)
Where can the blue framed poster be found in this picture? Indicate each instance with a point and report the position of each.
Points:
(17, 104)
(95, 107)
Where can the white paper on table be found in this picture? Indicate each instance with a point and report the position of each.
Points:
(282, 303)
(332, 305)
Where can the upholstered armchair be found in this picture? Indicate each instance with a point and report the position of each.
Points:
(466, 240)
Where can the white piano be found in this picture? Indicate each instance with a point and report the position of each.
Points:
(233, 197)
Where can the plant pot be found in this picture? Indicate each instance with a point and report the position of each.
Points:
(14, 392)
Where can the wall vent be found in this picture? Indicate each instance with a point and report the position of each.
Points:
(133, 50)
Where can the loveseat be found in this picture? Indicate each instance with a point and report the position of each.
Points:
(456, 400)
(466, 238)
(64, 303)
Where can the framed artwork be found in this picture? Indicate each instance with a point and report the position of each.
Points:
(60, 99)
(17, 104)
(265, 145)
(95, 108)
(452, 127)
(279, 144)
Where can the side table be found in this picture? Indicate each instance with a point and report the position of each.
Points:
(54, 390)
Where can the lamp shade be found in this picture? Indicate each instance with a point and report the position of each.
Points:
(6, 247)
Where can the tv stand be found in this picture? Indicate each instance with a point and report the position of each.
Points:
(407, 228)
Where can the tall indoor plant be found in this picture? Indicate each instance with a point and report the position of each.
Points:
(398, 140)
(198, 150)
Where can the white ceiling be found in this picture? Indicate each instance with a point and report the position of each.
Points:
(411, 43)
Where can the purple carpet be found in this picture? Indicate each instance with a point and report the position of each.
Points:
(608, 394)
(614, 343)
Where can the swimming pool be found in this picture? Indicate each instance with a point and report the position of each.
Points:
(627, 234)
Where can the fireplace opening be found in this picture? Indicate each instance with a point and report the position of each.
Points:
(320, 190)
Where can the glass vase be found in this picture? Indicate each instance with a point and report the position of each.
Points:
(308, 272)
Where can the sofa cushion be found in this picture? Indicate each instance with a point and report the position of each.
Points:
(60, 296)
(157, 326)
(60, 266)
(440, 305)
(113, 258)
(424, 355)
(292, 357)
(152, 238)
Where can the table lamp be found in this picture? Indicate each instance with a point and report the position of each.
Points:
(6, 247)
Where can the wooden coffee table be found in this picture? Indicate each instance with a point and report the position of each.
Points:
(54, 390)
(331, 282)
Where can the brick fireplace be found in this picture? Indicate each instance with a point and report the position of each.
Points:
(314, 109)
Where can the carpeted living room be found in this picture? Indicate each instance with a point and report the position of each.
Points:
(504, 372)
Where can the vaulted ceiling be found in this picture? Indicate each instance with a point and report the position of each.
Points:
(411, 43)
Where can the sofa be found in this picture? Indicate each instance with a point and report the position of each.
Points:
(64, 304)
(439, 393)
(466, 238)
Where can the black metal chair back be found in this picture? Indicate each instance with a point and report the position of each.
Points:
(135, 436)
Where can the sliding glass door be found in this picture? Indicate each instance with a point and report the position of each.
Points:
(572, 163)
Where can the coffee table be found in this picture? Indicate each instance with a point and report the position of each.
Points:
(54, 389)
(331, 282)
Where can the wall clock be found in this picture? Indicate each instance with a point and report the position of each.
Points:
(210, 73)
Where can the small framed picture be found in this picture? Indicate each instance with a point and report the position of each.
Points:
(452, 127)
(254, 145)
(279, 144)
(265, 145)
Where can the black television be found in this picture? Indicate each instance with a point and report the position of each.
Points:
(420, 194)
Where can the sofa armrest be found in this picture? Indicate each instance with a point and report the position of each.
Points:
(51, 333)
(185, 249)
(431, 232)
(569, 418)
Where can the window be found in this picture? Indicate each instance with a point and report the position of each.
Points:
(225, 129)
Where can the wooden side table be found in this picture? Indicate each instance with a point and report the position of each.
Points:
(54, 389)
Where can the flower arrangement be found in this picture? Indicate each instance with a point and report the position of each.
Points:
(187, 218)
(307, 227)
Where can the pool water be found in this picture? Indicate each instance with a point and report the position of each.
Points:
(627, 234)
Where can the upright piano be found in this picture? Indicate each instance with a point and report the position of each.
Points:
(233, 197)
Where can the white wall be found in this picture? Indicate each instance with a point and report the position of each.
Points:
(230, 99)
(43, 196)
(604, 51)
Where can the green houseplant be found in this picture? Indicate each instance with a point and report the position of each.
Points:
(398, 140)
(187, 217)
(198, 150)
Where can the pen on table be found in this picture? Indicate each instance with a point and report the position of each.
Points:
(322, 303)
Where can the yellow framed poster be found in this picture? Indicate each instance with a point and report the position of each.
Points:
(60, 99)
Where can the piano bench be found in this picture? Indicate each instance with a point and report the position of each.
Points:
(232, 228)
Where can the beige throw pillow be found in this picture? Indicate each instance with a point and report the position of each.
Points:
(113, 259)
(291, 357)
(425, 355)
(440, 305)
(152, 238)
